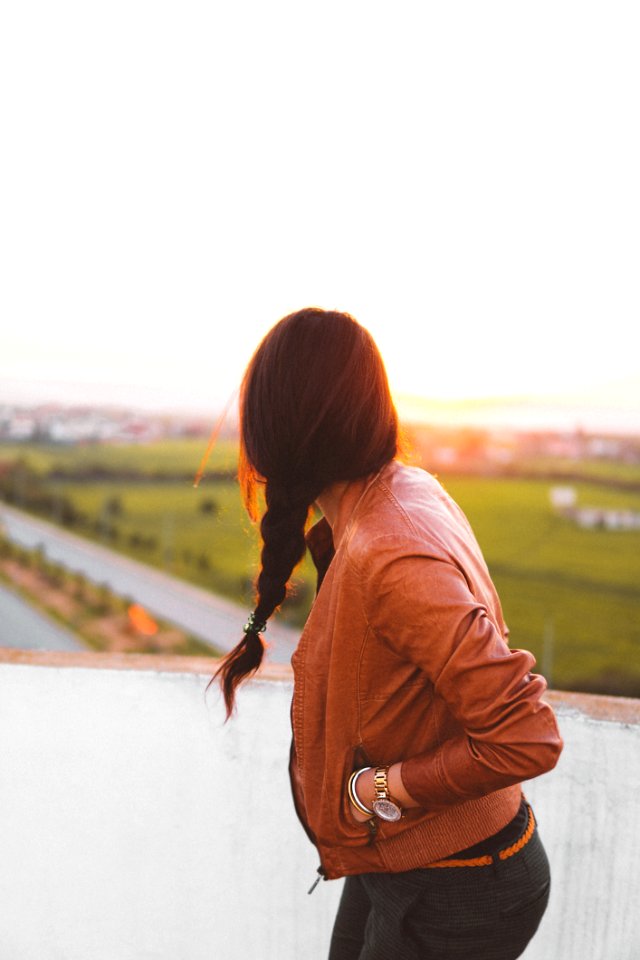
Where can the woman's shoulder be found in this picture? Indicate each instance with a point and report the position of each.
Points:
(410, 516)
(405, 482)
(407, 509)
(421, 497)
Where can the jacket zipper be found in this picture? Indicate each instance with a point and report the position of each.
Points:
(321, 871)
(321, 876)
(373, 829)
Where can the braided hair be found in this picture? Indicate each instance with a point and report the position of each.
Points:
(315, 409)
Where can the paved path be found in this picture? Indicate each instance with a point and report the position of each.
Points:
(208, 617)
(21, 625)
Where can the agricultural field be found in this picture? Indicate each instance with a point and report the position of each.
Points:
(169, 457)
(199, 534)
(593, 469)
(570, 595)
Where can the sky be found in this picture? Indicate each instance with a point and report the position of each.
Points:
(461, 177)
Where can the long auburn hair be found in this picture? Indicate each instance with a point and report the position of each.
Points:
(315, 409)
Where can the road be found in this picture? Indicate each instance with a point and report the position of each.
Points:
(24, 627)
(210, 618)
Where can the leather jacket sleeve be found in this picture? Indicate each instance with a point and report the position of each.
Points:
(421, 604)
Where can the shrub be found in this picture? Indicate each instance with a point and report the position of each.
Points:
(209, 506)
(113, 507)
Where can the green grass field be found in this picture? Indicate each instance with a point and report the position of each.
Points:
(580, 588)
(572, 596)
(594, 469)
(163, 456)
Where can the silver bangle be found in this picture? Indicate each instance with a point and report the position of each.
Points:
(353, 796)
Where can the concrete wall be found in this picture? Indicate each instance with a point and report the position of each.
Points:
(135, 825)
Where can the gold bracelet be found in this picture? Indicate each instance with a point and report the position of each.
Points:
(353, 796)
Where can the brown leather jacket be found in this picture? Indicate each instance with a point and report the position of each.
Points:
(404, 656)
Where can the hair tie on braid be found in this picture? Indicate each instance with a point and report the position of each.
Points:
(253, 626)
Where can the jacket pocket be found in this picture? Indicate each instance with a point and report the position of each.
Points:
(358, 831)
(360, 758)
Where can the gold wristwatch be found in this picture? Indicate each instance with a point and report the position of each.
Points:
(384, 806)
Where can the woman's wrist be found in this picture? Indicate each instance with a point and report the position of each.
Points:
(397, 787)
(366, 792)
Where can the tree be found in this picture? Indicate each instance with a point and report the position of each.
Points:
(210, 506)
(113, 507)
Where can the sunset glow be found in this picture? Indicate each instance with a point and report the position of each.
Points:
(463, 179)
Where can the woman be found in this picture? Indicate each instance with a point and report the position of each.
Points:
(413, 722)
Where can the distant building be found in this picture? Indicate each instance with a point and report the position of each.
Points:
(563, 498)
(21, 427)
(594, 518)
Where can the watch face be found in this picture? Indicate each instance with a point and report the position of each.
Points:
(386, 810)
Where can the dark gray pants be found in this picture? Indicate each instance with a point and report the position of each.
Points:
(448, 913)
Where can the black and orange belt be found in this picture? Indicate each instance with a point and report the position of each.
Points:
(488, 859)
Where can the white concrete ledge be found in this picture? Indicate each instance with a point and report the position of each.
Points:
(134, 824)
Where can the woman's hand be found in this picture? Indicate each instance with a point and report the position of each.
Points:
(365, 788)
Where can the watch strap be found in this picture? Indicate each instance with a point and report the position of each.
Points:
(381, 783)
(384, 805)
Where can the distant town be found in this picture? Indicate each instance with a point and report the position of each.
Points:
(58, 424)
(500, 450)
(441, 448)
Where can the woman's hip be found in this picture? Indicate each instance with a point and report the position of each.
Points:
(476, 911)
